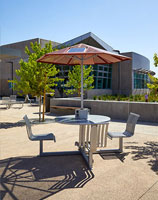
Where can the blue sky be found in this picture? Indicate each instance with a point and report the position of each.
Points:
(127, 25)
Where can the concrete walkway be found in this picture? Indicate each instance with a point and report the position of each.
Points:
(131, 175)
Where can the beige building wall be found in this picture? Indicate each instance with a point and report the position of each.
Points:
(8, 66)
(122, 78)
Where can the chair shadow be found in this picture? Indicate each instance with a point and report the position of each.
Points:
(7, 125)
(42, 177)
(148, 151)
(3, 108)
(114, 155)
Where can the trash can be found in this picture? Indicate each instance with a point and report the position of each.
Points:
(47, 108)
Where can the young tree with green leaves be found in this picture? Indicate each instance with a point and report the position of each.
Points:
(74, 80)
(36, 78)
(155, 60)
(153, 85)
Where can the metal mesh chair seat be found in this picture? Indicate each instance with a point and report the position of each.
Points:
(118, 135)
(49, 136)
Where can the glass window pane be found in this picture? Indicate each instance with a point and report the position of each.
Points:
(109, 84)
(95, 73)
(95, 67)
(101, 68)
(105, 75)
(100, 83)
(105, 83)
(109, 75)
(105, 69)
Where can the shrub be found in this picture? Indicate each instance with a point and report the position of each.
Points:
(95, 98)
(100, 98)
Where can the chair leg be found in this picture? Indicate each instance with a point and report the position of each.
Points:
(120, 144)
(41, 147)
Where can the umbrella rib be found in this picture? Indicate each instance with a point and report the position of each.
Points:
(90, 57)
(121, 59)
(77, 57)
(69, 60)
(104, 59)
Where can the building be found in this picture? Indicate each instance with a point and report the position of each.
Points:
(127, 77)
(10, 56)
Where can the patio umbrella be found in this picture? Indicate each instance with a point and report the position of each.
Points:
(82, 54)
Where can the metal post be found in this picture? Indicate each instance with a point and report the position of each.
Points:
(120, 145)
(41, 147)
(82, 83)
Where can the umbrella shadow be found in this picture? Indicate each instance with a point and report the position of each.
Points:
(42, 177)
(148, 151)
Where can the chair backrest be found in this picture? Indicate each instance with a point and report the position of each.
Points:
(27, 98)
(28, 127)
(5, 100)
(131, 122)
(13, 97)
(37, 99)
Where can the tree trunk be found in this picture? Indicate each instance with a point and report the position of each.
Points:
(44, 100)
(40, 109)
(44, 96)
(79, 92)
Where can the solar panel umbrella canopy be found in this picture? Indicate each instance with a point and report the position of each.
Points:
(81, 54)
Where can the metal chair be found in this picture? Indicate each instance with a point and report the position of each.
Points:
(129, 132)
(28, 100)
(5, 101)
(13, 98)
(40, 138)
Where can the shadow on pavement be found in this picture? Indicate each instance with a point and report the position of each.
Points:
(109, 156)
(6, 125)
(41, 177)
(148, 151)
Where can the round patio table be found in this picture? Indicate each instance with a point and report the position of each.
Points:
(90, 133)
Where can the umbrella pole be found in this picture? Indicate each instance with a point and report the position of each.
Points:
(82, 83)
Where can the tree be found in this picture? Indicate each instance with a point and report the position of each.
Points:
(74, 80)
(153, 85)
(36, 78)
(155, 60)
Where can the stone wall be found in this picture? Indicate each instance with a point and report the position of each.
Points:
(118, 110)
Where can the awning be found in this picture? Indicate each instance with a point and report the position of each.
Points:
(144, 71)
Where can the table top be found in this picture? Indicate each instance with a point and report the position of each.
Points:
(92, 119)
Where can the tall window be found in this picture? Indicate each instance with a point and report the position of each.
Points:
(102, 76)
(140, 80)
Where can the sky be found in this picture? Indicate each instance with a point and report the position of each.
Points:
(126, 25)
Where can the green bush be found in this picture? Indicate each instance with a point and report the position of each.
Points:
(137, 97)
(100, 98)
(95, 98)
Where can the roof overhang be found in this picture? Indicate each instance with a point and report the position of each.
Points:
(89, 39)
(144, 71)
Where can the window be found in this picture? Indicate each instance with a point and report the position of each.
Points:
(140, 80)
(101, 68)
(100, 83)
(102, 76)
